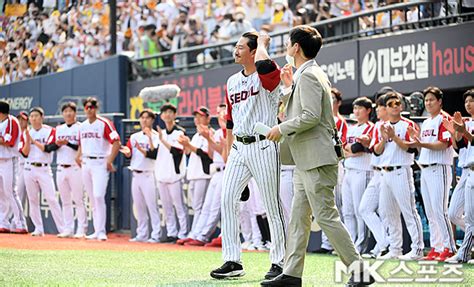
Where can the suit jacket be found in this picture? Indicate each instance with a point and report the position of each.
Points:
(309, 127)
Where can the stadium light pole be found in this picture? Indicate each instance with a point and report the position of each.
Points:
(113, 26)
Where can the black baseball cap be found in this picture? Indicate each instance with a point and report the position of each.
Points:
(203, 111)
(4, 107)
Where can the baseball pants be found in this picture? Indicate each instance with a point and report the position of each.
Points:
(171, 195)
(19, 168)
(145, 203)
(211, 209)
(456, 205)
(248, 215)
(40, 179)
(197, 192)
(465, 251)
(261, 161)
(338, 199)
(286, 191)
(435, 186)
(353, 187)
(69, 182)
(95, 178)
(398, 195)
(9, 199)
(369, 210)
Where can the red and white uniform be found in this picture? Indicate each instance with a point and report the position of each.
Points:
(250, 99)
(369, 204)
(357, 176)
(169, 171)
(436, 177)
(96, 141)
(398, 191)
(341, 126)
(198, 174)
(456, 205)
(361, 162)
(433, 130)
(143, 185)
(38, 176)
(9, 200)
(69, 180)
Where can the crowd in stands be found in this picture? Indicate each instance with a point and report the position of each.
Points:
(50, 36)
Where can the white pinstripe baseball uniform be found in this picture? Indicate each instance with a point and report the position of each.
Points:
(39, 177)
(145, 199)
(69, 179)
(169, 172)
(465, 251)
(398, 191)
(9, 199)
(96, 141)
(456, 205)
(436, 177)
(251, 99)
(369, 204)
(357, 176)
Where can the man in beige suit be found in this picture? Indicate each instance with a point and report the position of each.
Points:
(308, 142)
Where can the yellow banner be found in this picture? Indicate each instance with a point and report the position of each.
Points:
(15, 10)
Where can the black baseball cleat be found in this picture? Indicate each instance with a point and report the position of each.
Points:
(170, 240)
(228, 270)
(274, 271)
(283, 280)
(322, 251)
(360, 281)
(245, 194)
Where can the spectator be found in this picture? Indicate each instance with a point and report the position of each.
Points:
(149, 46)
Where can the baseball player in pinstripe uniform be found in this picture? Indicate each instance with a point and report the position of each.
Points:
(142, 148)
(357, 171)
(397, 185)
(341, 126)
(369, 204)
(9, 199)
(436, 157)
(464, 138)
(252, 96)
(456, 205)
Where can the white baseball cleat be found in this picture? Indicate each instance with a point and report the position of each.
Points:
(92, 236)
(65, 235)
(454, 260)
(37, 234)
(153, 240)
(102, 237)
(79, 235)
(136, 239)
(412, 255)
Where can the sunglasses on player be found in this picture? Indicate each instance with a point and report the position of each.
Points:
(394, 104)
(90, 107)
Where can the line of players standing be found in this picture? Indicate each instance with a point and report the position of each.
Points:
(376, 187)
(85, 152)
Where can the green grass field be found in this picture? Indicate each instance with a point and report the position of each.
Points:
(161, 268)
